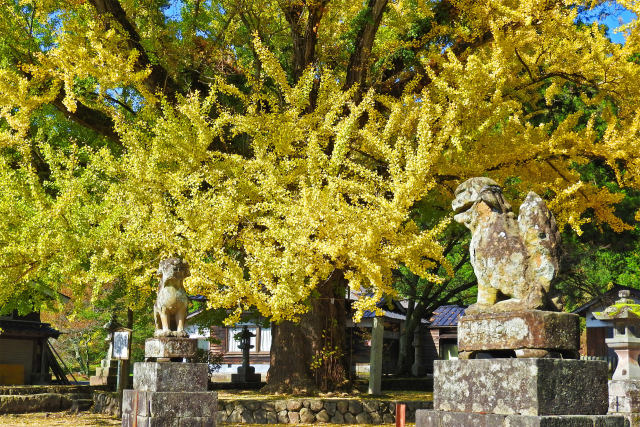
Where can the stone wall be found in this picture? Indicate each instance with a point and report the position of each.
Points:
(44, 398)
(337, 411)
(106, 402)
(41, 402)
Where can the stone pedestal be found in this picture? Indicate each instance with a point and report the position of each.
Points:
(519, 392)
(106, 374)
(528, 333)
(170, 348)
(246, 375)
(169, 394)
(624, 396)
(542, 386)
(521, 386)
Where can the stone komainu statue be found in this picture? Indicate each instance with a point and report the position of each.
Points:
(170, 310)
(515, 260)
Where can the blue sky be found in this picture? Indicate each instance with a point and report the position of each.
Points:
(610, 14)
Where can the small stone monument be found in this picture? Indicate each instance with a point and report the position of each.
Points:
(107, 373)
(246, 373)
(624, 387)
(168, 390)
(516, 363)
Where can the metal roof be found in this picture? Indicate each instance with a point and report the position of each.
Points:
(446, 315)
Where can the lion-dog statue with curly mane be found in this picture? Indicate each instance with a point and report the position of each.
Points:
(515, 260)
(170, 310)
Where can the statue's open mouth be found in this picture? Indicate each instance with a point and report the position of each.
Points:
(461, 208)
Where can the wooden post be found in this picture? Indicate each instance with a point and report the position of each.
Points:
(375, 359)
(400, 414)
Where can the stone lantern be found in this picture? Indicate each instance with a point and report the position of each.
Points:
(246, 373)
(624, 387)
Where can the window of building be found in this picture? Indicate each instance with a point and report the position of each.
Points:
(261, 342)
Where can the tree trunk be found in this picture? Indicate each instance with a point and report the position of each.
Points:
(303, 355)
(405, 348)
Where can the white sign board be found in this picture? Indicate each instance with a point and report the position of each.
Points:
(121, 345)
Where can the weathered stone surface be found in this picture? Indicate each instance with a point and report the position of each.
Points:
(370, 405)
(168, 347)
(363, 418)
(182, 404)
(165, 405)
(283, 417)
(343, 406)
(294, 417)
(272, 418)
(306, 416)
(427, 418)
(135, 402)
(197, 422)
(170, 309)
(624, 396)
(323, 416)
(315, 405)
(41, 402)
(515, 258)
(532, 329)
(170, 376)
(280, 405)
(521, 386)
(374, 410)
(294, 405)
(355, 407)
(330, 407)
(338, 418)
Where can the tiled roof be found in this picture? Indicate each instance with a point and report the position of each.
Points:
(21, 328)
(446, 315)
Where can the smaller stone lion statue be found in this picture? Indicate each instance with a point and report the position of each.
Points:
(515, 260)
(170, 310)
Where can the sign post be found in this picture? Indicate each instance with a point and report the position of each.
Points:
(121, 351)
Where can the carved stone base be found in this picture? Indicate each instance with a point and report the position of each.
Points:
(170, 347)
(427, 418)
(168, 409)
(521, 386)
(530, 333)
(170, 376)
(248, 376)
(624, 396)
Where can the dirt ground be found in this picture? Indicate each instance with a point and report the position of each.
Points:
(82, 419)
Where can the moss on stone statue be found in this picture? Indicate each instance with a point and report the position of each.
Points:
(614, 310)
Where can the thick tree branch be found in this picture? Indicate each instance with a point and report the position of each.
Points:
(159, 79)
(304, 39)
(359, 61)
(89, 118)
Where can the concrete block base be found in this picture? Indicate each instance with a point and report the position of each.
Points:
(170, 376)
(624, 396)
(521, 386)
(427, 418)
(248, 376)
(170, 347)
(152, 408)
(530, 333)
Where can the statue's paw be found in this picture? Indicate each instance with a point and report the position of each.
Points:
(162, 333)
(181, 334)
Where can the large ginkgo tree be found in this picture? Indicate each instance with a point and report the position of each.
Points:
(281, 147)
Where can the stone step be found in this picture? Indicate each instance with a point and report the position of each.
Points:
(426, 418)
